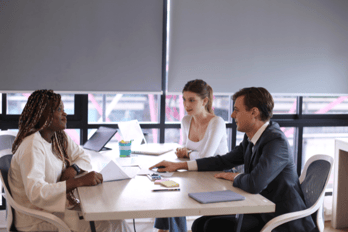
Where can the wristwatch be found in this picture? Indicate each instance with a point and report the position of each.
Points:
(188, 153)
(77, 169)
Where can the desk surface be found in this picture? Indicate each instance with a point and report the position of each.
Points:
(134, 199)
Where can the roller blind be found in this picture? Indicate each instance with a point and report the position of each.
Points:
(286, 46)
(81, 45)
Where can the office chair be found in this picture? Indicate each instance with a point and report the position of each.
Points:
(314, 179)
(5, 163)
(6, 139)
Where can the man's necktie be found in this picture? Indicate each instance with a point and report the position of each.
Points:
(248, 154)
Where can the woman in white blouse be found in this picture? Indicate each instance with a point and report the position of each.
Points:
(204, 134)
(44, 165)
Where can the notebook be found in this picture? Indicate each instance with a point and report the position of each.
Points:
(216, 196)
(153, 148)
(100, 138)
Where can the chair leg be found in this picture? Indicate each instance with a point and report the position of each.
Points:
(92, 225)
(239, 219)
(320, 218)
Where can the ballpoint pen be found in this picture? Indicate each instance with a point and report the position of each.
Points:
(160, 190)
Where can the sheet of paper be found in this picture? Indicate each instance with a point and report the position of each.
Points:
(127, 162)
(147, 171)
(113, 171)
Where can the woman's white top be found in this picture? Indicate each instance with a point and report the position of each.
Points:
(34, 176)
(213, 143)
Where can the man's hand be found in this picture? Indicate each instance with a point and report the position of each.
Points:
(182, 152)
(166, 166)
(226, 175)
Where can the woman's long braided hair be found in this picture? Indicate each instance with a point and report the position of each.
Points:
(37, 115)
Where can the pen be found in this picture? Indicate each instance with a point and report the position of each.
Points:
(160, 190)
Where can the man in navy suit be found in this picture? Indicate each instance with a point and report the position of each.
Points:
(269, 168)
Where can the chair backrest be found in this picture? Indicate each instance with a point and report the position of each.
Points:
(5, 163)
(6, 141)
(314, 179)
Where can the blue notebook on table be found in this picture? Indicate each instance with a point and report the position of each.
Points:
(216, 196)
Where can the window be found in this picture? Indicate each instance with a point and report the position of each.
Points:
(108, 108)
(175, 110)
(284, 105)
(16, 102)
(321, 140)
(74, 134)
(325, 105)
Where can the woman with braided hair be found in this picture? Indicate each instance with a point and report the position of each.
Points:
(44, 166)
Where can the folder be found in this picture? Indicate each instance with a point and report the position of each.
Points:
(216, 196)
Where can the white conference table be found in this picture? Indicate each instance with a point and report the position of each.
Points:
(133, 198)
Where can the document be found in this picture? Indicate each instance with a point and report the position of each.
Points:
(112, 171)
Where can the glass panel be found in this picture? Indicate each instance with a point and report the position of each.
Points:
(173, 136)
(69, 103)
(325, 105)
(74, 134)
(123, 107)
(321, 140)
(284, 105)
(151, 135)
(175, 110)
(16, 102)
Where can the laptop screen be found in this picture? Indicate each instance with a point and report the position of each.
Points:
(100, 138)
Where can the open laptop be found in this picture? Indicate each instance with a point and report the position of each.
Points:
(100, 138)
(131, 130)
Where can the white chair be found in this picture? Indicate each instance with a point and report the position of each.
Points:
(314, 179)
(5, 163)
(6, 139)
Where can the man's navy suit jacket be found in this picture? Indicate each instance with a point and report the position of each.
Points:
(271, 173)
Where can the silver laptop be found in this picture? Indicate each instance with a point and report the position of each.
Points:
(131, 130)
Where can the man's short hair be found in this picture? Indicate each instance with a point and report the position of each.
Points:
(257, 97)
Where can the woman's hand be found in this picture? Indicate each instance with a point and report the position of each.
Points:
(89, 179)
(68, 173)
(166, 166)
(182, 152)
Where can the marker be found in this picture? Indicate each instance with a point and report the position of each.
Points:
(160, 190)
